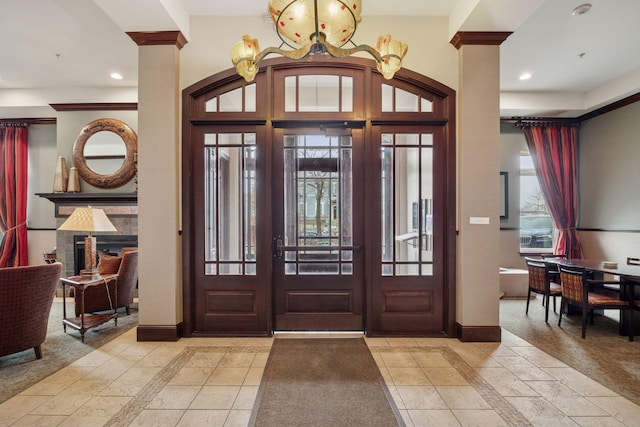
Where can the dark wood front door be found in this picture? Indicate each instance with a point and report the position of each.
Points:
(318, 278)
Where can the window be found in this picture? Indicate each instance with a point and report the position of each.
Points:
(536, 227)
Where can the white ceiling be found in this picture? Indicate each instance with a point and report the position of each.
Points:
(54, 45)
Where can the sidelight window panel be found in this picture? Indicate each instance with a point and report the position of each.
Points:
(406, 204)
(230, 203)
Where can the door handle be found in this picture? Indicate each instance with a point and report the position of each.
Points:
(278, 248)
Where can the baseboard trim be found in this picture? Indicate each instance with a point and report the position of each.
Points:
(478, 333)
(159, 333)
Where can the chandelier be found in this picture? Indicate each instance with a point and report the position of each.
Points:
(316, 27)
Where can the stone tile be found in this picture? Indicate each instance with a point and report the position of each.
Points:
(579, 382)
(174, 397)
(524, 369)
(260, 360)
(97, 411)
(19, 406)
(159, 357)
(238, 418)
(444, 376)
(191, 376)
(373, 343)
(402, 342)
(210, 418)
(539, 358)
(402, 360)
(131, 383)
(620, 408)
(505, 383)
(462, 397)
(539, 412)
(215, 397)
(597, 422)
(431, 359)
(479, 418)
(406, 418)
(246, 397)
(565, 399)
(157, 418)
(421, 397)
(73, 398)
(254, 376)
(228, 376)
(204, 360)
(429, 418)
(237, 360)
(38, 421)
(408, 376)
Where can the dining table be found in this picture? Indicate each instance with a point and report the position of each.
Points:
(628, 275)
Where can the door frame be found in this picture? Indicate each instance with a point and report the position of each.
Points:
(265, 118)
(344, 290)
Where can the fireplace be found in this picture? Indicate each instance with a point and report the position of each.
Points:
(108, 243)
(122, 210)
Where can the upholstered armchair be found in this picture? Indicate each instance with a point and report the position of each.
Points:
(97, 299)
(26, 295)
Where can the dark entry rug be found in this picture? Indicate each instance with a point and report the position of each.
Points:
(323, 382)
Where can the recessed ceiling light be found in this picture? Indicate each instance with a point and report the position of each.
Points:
(525, 76)
(582, 9)
(116, 76)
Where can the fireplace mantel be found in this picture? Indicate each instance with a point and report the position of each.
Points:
(120, 204)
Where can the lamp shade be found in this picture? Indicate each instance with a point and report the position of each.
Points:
(87, 219)
(296, 20)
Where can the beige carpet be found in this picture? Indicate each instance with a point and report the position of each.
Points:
(604, 355)
(323, 382)
(20, 371)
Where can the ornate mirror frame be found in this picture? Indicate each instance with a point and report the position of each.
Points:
(128, 168)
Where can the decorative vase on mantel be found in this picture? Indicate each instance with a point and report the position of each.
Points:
(73, 185)
(62, 176)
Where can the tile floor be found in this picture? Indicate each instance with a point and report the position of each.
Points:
(214, 381)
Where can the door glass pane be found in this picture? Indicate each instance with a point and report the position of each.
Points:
(318, 194)
(231, 101)
(211, 187)
(319, 93)
(290, 93)
(230, 203)
(407, 204)
(347, 94)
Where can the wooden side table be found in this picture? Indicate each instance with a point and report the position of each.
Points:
(86, 322)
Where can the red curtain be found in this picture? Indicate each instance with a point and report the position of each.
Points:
(554, 151)
(13, 194)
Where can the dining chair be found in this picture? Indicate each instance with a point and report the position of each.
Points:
(541, 282)
(575, 283)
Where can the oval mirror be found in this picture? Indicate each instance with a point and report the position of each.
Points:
(104, 153)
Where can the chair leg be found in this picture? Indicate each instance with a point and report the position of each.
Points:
(591, 312)
(584, 322)
(38, 351)
(561, 309)
(554, 303)
(631, 325)
(546, 308)
(528, 298)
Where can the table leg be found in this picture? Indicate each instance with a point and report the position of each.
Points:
(64, 308)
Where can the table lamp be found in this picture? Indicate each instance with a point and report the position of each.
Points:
(88, 219)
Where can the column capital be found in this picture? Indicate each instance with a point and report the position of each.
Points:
(487, 38)
(153, 38)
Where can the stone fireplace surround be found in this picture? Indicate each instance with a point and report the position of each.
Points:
(121, 208)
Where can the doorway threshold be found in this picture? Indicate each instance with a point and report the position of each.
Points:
(319, 334)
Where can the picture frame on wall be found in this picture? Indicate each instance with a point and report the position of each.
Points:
(504, 195)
